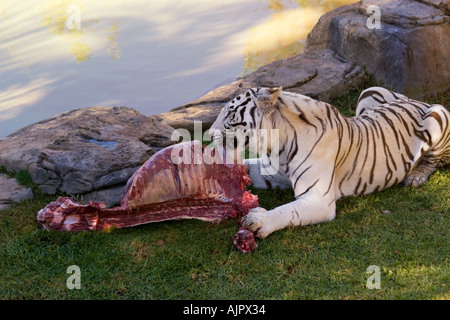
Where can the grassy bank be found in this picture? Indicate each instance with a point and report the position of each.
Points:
(403, 231)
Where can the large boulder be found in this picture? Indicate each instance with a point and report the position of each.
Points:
(409, 52)
(322, 75)
(85, 150)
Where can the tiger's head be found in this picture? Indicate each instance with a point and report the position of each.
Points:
(245, 113)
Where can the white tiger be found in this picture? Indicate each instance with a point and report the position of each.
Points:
(324, 156)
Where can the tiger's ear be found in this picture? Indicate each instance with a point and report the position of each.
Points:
(267, 102)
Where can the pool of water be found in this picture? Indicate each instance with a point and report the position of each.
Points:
(59, 55)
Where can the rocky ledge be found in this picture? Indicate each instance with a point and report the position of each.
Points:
(85, 150)
(12, 193)
(94, 151)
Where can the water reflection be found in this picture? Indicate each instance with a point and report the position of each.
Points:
(60, 55)
(113, 46)
(64, 19)
(284, 34)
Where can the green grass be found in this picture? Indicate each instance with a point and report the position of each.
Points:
(404, 231)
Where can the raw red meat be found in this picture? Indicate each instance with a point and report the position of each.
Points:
(166, 187)
(244, 240)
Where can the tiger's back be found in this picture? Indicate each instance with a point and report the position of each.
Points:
(411, 139)
(391, 139)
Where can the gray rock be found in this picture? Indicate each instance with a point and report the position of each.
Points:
(204, 109)
(183, 117)
(111, 196)
(321, 74)
(444, 5)
(12, 193)
(85, 150)
(409, 53)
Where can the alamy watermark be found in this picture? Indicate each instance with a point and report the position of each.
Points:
(74, 280)
(374, 20)
(374, 280)
(73, 22)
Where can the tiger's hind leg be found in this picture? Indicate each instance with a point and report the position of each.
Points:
(430, 162)
(438, 128)
(420, 174)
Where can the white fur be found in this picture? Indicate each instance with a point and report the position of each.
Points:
(335, 156)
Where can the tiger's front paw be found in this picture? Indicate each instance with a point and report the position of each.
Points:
(256, 221)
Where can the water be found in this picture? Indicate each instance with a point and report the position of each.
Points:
(110, 145)
(59, 55)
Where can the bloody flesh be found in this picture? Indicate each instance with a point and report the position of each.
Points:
(192, 187)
